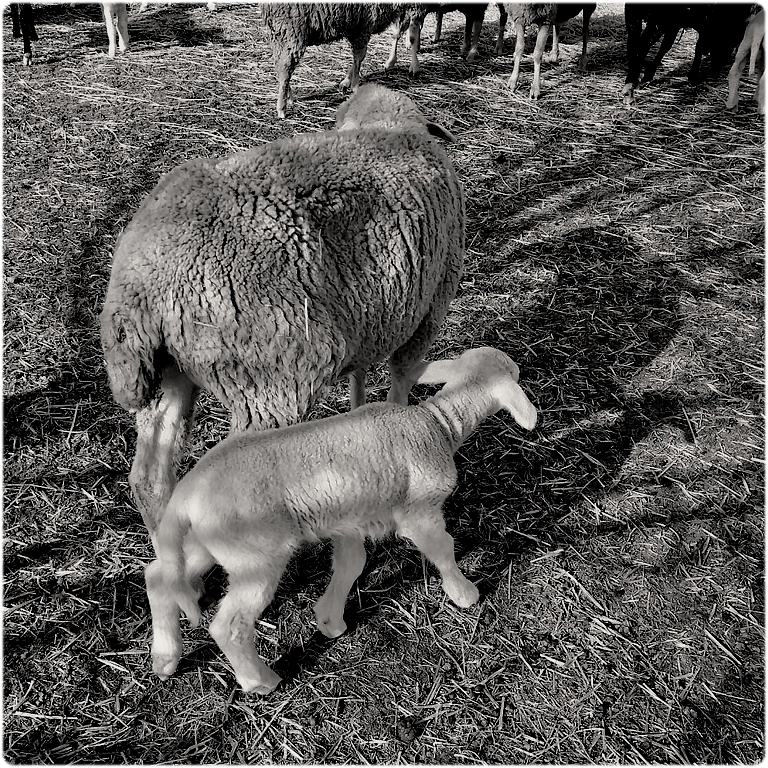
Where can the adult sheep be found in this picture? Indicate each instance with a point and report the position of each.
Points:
(266, 276)
(292, 27)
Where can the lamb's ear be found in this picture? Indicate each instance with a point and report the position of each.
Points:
(512, 398)
(436, 372)
(442, 133)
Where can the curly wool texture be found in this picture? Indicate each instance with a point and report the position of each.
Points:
(269, 274)
(294, 26)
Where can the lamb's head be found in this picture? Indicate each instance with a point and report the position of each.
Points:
(130, 348)
(374, 106)
(484, 369)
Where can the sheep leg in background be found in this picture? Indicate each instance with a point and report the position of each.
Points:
(285, 63)
(414, 40)
(639, 43)
(399, 30)
(472, 31)
(426, 529)
(519, 51)
(24, 27)
(359, 49)
(587, 12)
(749, 47)
(438, 26)
(161, 429)
(356, 388)
(251, 588)
(348, 564)
(120, 12)
(503, 15)
(538, 53)
(554, 55)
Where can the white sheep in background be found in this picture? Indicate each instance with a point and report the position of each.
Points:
(751, 47)
(253, 499)
(293, 27)
(116, 17)
(211, 6)
(546, 15)
(266, 276)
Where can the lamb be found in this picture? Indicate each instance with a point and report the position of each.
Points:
(293, 27)
(266, 276)
(720, 27)
(545, 15)
(116, 16)
(253, 499)
(751, 46)
(23, 26)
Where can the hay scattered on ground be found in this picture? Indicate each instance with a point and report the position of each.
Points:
(617, 255)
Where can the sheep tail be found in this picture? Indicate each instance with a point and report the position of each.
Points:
(170, 550)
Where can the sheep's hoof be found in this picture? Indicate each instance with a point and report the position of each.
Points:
(332, 629)
(471, 56)
(26, 60)
(264, 685)
(534, 94)
(499, 49)
(164, 665)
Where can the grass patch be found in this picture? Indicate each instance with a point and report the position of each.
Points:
(616, 255)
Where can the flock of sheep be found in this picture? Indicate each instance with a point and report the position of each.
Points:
(265, 277)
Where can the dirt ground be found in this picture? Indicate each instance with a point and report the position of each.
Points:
(616, 254)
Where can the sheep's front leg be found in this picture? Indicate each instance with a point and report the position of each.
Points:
(554, 55)
(586, 16)
(414, 40)
(538, 53)
(122, 27)
(285, 63)
(502, 26)
(348, 564)
(359, 49)
(426, 529)
(161, 428)
(106, 8)
(472, 39)
(399, 29)
(232, 629)
(519, 50)
(356, 388)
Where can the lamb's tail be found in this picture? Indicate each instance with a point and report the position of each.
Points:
(170, 549)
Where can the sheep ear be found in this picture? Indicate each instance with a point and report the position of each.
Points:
(442, 133)
(511, 398)
(436, 372)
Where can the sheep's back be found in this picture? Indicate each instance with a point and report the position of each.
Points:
(283, 268)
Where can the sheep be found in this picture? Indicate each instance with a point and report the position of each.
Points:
(751, 47)
(720, 27)
(253, 499)
(23, 26)
(116, 16)
(266, 276)
(294, 26)
(545, 15)
(211, 6)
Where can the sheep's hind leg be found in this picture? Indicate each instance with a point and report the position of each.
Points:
(348, 564)
(359, 49)
(161, 428)
(426, 529)
(538, 53)
(356, 388)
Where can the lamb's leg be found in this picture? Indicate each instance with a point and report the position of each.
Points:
(586, 16)
(356, 388)
(348, 564)
(519, 50)
(502, 26)
(426, 529)
(538, 53)
(735, 72)
(250, 592)
(161, 429)
(359, 49)
(166, 630)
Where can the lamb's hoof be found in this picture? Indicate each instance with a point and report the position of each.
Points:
(164, 666)
(26, 60)
(471, 57)
(464, 595)
(331, 629)
(264, 685)
(534, 94)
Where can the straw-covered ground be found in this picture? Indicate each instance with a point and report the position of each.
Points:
(617, 255)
